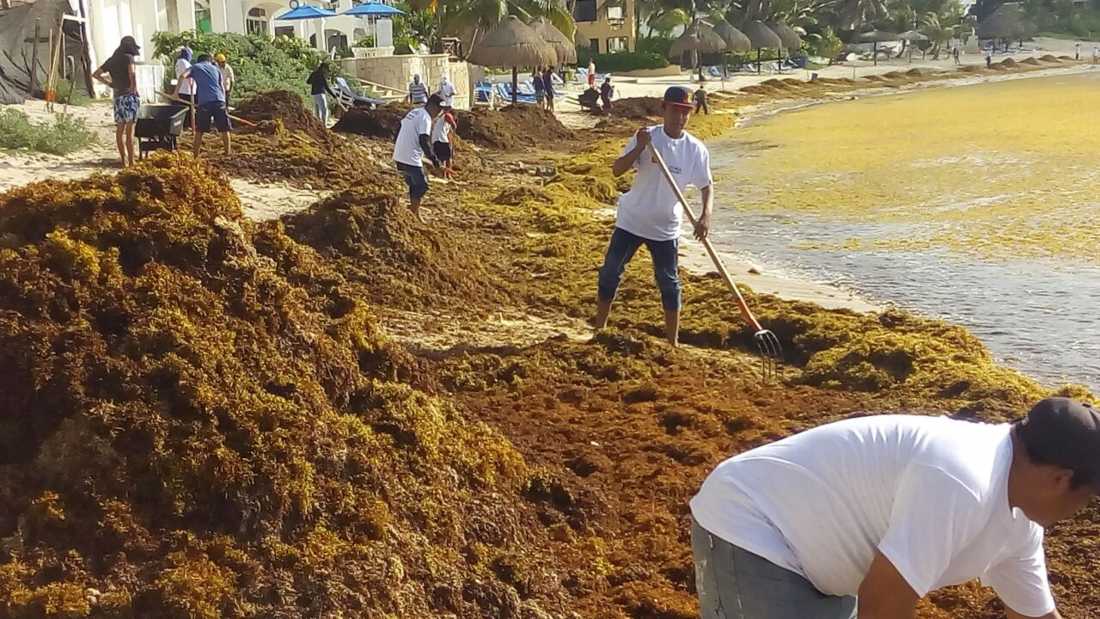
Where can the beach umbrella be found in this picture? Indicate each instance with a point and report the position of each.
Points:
(874, 37)
(565, 50)
(302, 12)
(911, 37)
(761, 37)
(787, 35)
(372, 11)
(698, 38)
(736, 41)
(514, 44)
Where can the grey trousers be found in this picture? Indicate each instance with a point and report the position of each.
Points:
(733, 583)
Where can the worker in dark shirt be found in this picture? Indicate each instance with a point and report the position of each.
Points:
(318, 86)
(548, 84)
(700, 98)
(606, 91)
(120, 68)
(209, 101)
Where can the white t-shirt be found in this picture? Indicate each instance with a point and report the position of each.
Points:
(447, 91)
(441, 130)
(930, 493)
(407, 148)
(650, 209)
(185, 85)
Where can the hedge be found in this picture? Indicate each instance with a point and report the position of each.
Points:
(621, 61)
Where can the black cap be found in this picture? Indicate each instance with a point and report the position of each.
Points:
(435, 100)
(678, 95)
(129, 45)
(1064, 433)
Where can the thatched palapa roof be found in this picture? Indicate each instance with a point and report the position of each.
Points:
(761, 36)
(565, 50)
(787, 35)
(698, 37)
(736, 41)
(513, 44)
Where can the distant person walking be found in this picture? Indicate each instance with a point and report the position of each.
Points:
(548, 84)
(989, 58)
(318, 88)
(955, 53)
(186, 88)
(209, 101)
(700, 99)
(441, 139)
(418, 92)
(228, 77)
(540, 88)
(412, 145)
(120, 70)
(606, 92)
(1076, 51)
(591, 73)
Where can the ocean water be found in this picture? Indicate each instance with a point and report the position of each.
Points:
(977, 204)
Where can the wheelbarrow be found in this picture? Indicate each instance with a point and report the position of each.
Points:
(158, 126)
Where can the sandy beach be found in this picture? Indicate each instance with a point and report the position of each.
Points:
(222, 394)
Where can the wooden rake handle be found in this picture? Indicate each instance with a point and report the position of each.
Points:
(746, 313)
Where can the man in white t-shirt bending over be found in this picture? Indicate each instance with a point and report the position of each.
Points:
(888, 508)
(650, 214)
(412, 146)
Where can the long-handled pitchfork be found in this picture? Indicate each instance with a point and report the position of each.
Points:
(771, 352)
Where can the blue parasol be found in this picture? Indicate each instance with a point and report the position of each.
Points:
(373, 9)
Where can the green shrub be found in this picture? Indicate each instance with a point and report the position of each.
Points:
(259, 63)
(621, 61)
(72, 94)
(61, 136)
(655, 45)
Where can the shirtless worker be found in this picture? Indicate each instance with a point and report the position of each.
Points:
(888, 508)
(650, 214)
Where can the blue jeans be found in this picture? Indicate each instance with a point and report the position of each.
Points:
(733, 583)
(415, 178)
(665, 263)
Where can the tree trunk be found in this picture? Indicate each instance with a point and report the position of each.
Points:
(515, 86)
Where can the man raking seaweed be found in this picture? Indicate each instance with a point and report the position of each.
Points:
(652, 211)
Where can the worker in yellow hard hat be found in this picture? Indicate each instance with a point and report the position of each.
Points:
(227, 75)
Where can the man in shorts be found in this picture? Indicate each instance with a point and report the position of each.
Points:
(209, 101)
(120, 68)
(412, 145)
(441, 139)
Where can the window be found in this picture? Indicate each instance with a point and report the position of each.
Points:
(256, 22)
(594, 46)
(584, 10)
(616, 44)
(203, 17)
(285, 31)
(615, 13)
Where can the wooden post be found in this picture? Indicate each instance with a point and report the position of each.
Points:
(515, 86)
(34, 57)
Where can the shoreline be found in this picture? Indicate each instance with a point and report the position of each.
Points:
(741, 266)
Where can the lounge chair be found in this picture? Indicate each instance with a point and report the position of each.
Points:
(349, 98)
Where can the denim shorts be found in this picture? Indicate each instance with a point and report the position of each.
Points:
(415, 179)
(734, 583)
(621, 249)
(212, 113)
(126, 109)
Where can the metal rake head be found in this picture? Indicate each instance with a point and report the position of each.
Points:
(771, 353)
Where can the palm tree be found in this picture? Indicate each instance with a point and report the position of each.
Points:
(854, 13)
(937, 31)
